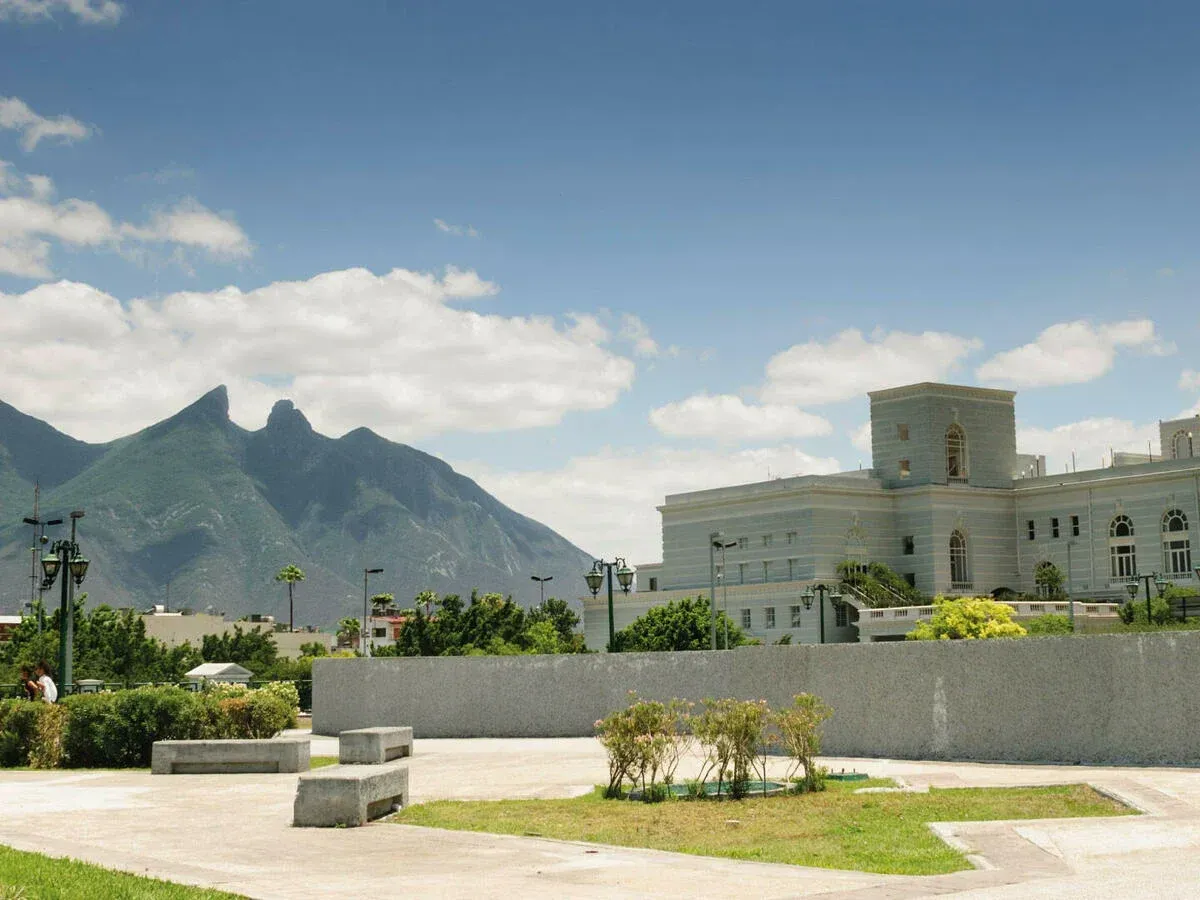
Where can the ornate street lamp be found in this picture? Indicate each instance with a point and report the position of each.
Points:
(64, 557)
(820, 590)
(1132, 586)
(595, 577)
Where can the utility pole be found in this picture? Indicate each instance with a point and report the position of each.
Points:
(39, 538)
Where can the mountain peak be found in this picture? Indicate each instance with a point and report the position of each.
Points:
(284, 415)
(212, 407)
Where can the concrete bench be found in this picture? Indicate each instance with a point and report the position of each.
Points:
(372, 746)
(230, 757)
(349, 795)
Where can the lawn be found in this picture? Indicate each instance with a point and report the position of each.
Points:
(31, 876)
(836, 829)
(316, 762)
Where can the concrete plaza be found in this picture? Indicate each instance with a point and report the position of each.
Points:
(233, 832)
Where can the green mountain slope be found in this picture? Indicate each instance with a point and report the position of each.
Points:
(198, 512)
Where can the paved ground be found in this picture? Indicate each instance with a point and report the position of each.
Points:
(233, 832)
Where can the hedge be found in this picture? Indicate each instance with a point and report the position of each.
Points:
(118, 730)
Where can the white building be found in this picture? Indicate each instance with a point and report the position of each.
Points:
(949, 504)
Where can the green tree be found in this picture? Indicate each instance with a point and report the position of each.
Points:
(348, 629)
(1050, 580)
(967, 618)
(255, 649)
(563, 619)
(290, 574)
(383, 604)
(680, 625)
(1049, 624)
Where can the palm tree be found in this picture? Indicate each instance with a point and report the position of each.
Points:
(290, 574)
(348, 629)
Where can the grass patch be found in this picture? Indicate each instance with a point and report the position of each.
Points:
(316, 762)
(836, 829)
(31, 876)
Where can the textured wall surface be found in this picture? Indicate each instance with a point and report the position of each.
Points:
(1100, 699)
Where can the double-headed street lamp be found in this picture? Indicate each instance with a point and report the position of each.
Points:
(819, 590)
(542, 584)
(595, 578)
(1136, 582)
(716, 542)
(39, 540)
(65, 557)
(363, 635)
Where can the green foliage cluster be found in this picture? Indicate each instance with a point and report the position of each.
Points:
(646, 741)
(118, 729)
(1133, 612)
(1050, 581)
(679, 625)
(878, 585)
(1049, 625)
(109, 644)
(967, 618)
(491, 625)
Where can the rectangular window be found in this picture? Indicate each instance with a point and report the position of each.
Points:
(911, 578)
(768, 540)
(746, 619)
(741, 573)
(743, 543)
(654, 584)
(766, 571)
(791, 538)
(1054, 528)
(1123, 558)
(769, 617)
(902, 432)
(905, 469)
(1074, 526)
(841, 615)
(1178, 556)
(792, 569)
(1032, 527)
(379, 632)
(795, 611)
(910, 545)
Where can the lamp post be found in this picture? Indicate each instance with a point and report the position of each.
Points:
(39, 539)
(1184, 597)
(1070, 599)
(715, 543)
(366, 629)
(595, 578)
(819, 590)
(542, 585)
(1160, 584)
(66, 558)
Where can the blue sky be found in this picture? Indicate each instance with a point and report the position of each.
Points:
(673, 212)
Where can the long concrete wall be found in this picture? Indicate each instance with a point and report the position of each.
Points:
(1101, 699)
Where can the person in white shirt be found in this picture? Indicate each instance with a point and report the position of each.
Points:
(45, 684)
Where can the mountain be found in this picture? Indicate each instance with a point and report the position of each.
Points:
(197, 512)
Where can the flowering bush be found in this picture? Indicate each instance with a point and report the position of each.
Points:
(799, 727)
(731, 733)
(645, 742)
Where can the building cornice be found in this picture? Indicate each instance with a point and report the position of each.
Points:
(927, 388)
(1140, 474)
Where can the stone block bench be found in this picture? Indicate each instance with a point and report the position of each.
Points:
(230, 757)
(373, 746)
(349, 795)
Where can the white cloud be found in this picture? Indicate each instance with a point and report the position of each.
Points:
(190, 224)
(605, 502)
(850, 365)
(456, 230)
(1071, 353)
(88, 12)
(1189, 380)
(354, 348)
(15, 115)
(637, 333)
(860, 437)
(726, 417)
(1093, 441)
(30, 218)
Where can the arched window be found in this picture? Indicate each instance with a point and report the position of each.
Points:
(960, 575)
(1177, 545)
(1121, 550)
(1181, 445)
(956, 453)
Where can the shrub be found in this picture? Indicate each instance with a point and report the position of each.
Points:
(88, 725)
(287, 692)
(1049, 624)
(644, 742)
(731, 732)
(255, 714)
(800, 735)
(1134, 612)
(32, 734)
(967, 618)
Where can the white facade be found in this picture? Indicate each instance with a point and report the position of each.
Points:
(948, 504)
